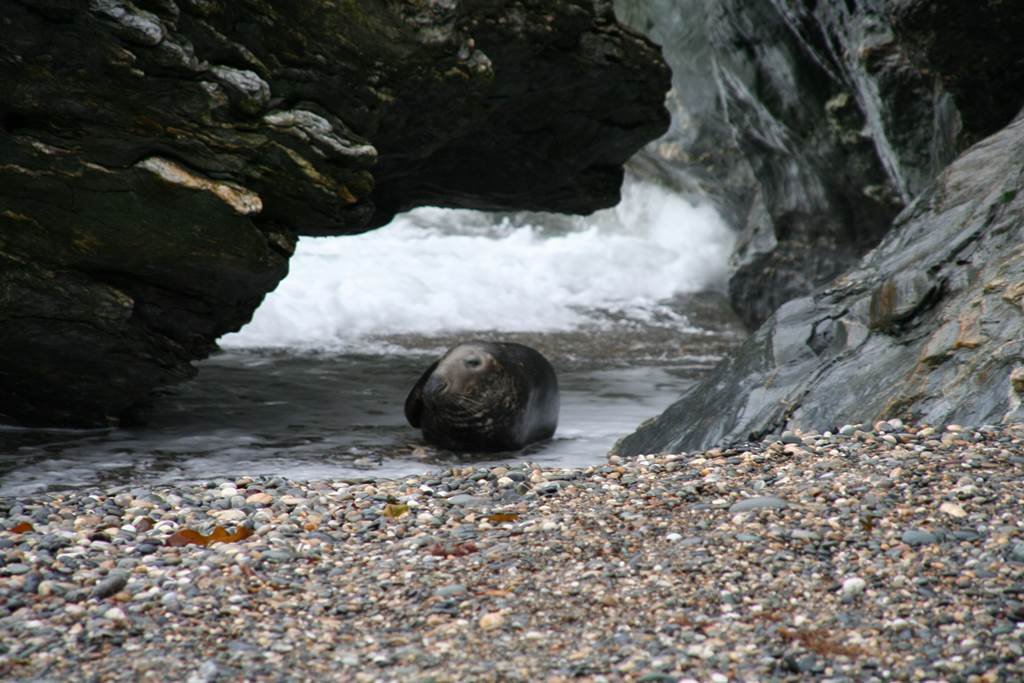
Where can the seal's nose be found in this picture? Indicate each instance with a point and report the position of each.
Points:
(435, 385)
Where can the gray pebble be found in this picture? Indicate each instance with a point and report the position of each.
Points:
(758, 503)
(1017, 554)
(171, 601)
(790, 437)
(32, 581)
(804, 535)
(206, 673)
(53, 542)
(919, 537)
(450, 590)
(552, 487)
(278, 555)
(466, 500)
(110, 585)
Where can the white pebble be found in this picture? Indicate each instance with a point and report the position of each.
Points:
(853, 586)
(953, 510)
(228, 515)
(115, 614)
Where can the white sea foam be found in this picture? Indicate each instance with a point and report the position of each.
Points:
(438, 270)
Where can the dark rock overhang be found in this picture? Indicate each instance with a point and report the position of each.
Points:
(158, 158)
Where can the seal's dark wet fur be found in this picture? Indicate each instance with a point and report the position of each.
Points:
(485, 396)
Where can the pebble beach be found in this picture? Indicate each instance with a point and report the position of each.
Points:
(872, 553)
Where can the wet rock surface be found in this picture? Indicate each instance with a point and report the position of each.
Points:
(896, 556)
(811, 125)
(158, 159)
(929, 326)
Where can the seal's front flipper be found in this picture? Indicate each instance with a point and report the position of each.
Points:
(414, 401)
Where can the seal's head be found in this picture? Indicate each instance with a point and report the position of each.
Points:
(468, 399)
(470, 389)
(465, 370)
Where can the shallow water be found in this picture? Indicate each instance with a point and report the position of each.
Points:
(622, 302)
(339, 416)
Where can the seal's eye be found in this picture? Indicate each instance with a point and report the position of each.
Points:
(473, 363)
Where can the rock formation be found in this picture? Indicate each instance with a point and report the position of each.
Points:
(158, 158)
(811, 125)
(929, 326)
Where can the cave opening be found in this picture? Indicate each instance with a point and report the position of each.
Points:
(627, 304)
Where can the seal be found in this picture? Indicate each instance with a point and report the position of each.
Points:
(485, 396)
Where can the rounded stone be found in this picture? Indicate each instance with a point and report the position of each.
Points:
(115, 614)
(450, 590)
(852, 587)
(790, 437)
(919, 537)
(232, 515)
(492, 621)
(758, 503)
(114, 583)
(171, 601)
(466, 500)
(1017, 554)
(260, 498)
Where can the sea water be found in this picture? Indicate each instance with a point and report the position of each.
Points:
(625, 302)
(437, 271)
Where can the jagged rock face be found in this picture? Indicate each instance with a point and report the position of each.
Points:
(929, 327)
(158, 159)
(809, 125)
